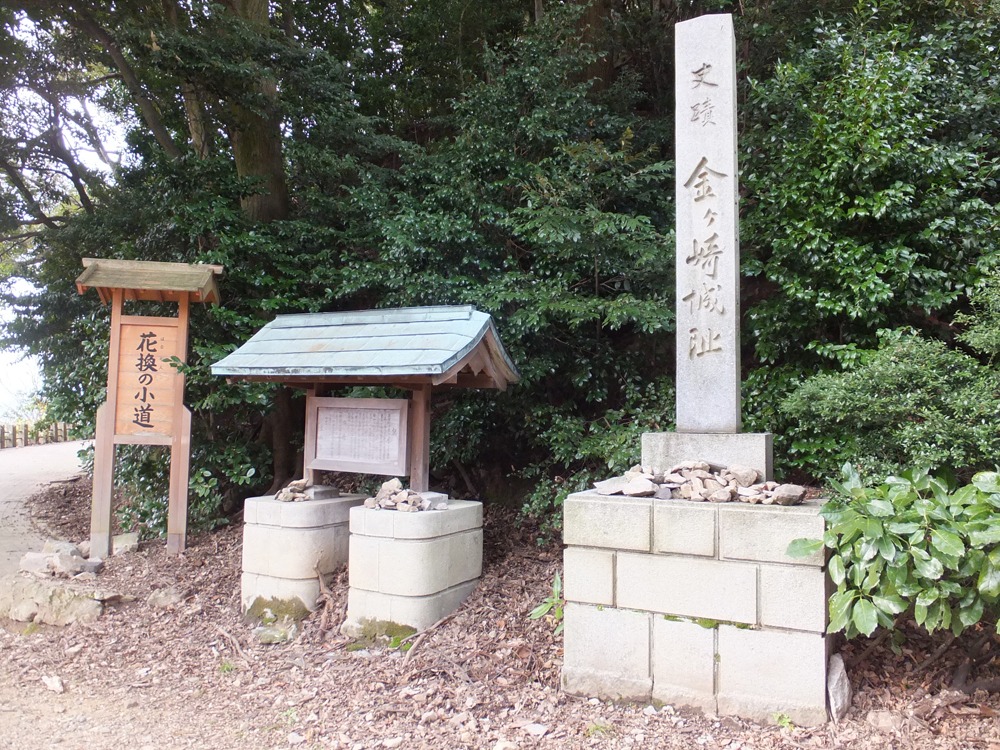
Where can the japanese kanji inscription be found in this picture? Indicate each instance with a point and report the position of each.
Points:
(146, 380)
(707, 265)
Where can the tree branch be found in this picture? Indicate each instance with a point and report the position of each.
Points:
(22, 187)
(58, 149)
(194, 109)
(19, 237)
(128, 75)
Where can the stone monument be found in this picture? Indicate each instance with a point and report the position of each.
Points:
(708, 258)
(696, 603)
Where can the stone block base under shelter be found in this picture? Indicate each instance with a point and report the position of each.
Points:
(412, 568)
(288, 545)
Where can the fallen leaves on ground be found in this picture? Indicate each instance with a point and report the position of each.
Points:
(488, 677)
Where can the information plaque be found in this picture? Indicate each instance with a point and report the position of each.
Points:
(364, 435)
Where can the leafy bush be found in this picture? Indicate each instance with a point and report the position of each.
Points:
(913, 402)
(914, 543)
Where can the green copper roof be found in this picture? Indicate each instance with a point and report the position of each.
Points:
(454, 345)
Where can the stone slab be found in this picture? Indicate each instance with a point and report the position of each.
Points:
(593, 520)
(460, 515)
(684, 528)
(30, 599)
(414, 567)
(838, 688)
(589, 575)
(321, 511)
(793, 597)
(765, 674)
(666, 449)
(255, 586)
(763, 533)
(606, 653)
(708, 251)
(299, 553)
(683, 663)
(687, 587)
(418, 612)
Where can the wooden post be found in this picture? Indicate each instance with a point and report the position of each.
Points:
(420, 438)
(104, 444)
(180, 446)
(3, 437)
(309, 443)
(177, 507)
(101, 510)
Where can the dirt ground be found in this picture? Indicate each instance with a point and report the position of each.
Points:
(191, 675)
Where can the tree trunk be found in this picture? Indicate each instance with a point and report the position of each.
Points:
(282, 423)
(593, 24)
(194, 110)
(256, 137)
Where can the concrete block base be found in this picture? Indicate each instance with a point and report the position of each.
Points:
(419, 612)
(412, 568)
(701, 609)
(288, 545)
(666, 449)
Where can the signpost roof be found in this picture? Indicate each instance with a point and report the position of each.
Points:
(446, 345)
(150, 281)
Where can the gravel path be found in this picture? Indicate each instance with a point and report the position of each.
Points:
(22, 472)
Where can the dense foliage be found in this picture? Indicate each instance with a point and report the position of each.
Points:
(913, 401)
(873, 178)
(513, 155)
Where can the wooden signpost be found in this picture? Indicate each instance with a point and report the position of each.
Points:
(145, 397)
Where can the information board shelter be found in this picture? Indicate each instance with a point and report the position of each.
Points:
(417, 349)
(145, 397)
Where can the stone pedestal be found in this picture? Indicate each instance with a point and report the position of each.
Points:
(287, 545)
(695, 604)
(666, 449)
(412, 568)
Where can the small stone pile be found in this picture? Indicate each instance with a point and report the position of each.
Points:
(392, 496)
(300, 490)
(295, 492)
(698, 482)
(60, 559)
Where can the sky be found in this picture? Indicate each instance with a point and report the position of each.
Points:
(19, 376)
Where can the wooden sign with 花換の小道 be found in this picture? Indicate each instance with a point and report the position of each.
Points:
(145, 401)
(147, 383)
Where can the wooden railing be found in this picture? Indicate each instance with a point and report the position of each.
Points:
(19, 435)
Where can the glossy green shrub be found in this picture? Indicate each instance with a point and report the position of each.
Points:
(916, 543)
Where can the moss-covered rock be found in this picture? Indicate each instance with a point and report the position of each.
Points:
(270, 611)
(378, 633)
